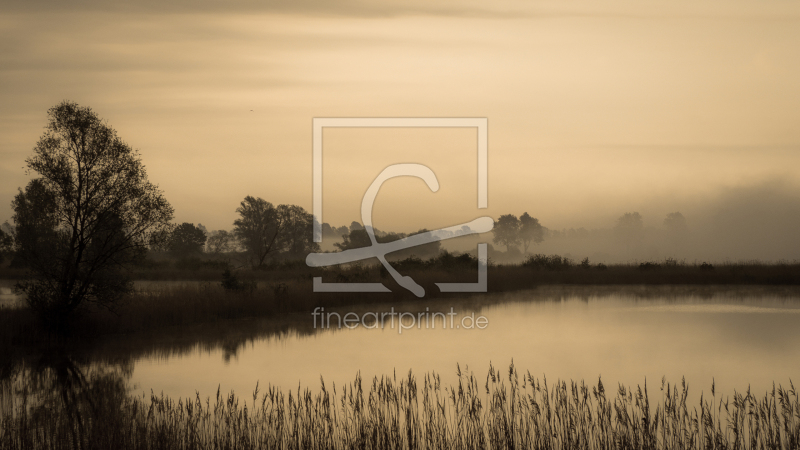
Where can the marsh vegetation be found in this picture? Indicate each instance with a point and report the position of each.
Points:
(506, 409)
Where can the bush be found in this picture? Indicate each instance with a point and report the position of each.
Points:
(447, 260)
(552, 262)
(232, 283)
(706, 266)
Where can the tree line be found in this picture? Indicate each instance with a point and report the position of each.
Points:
(263, 232)
(90, 213)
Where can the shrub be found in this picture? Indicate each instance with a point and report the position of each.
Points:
(706, 266)
(552, 262)
(232, 283)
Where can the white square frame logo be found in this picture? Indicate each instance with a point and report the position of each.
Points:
(482, 126)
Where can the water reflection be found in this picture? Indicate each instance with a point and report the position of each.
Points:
(737, 336)
(62, 392)
(740, 337)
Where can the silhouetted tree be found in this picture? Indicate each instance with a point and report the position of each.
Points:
(355, 226)
(257, 228)
(328, 230)
(220, 241)
(264, 230)
(530, 231)
(295, 238)
(186, 240)
(90, 212)
(354, 239)
(506, 231)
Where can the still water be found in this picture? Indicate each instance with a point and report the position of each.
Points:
(738, 337)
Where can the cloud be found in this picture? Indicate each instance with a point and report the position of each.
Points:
(383, 8)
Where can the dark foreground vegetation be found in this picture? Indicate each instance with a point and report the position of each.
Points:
(507, 410)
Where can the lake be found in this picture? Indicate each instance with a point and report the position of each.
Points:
(737, 337)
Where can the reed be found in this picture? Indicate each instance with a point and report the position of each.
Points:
(509, 410)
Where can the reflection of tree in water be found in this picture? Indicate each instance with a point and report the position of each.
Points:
(230, 349)
(64, 395)
(8, 373)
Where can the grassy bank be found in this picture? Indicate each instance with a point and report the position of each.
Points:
(536, 269)
(287, 289)
(507, 410)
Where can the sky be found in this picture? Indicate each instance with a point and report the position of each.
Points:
(594, 108)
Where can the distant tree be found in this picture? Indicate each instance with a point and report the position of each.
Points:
(423, 251)
(295, 237)
(354, 239)
(187, 240)
(677, 231)
(675, 223)
(360, 238)
(90, 213)
(506, 231)
(629, 224)
(629, 229)
(266, 231)
(530, 231)
(341, 231)
(36, 216)
(356, 226)
(328, 231)
(220, 241)
(257, 228)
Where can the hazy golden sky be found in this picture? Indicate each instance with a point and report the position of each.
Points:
(594, 108)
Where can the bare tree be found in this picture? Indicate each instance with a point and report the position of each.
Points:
(90, 212)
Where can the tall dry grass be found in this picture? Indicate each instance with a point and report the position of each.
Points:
(508, 410)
